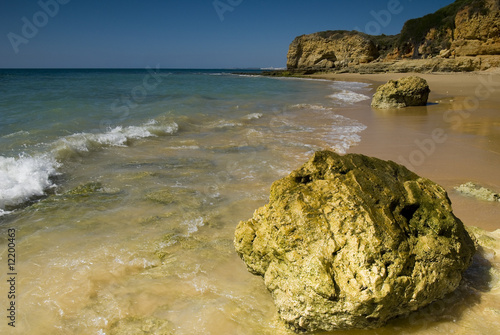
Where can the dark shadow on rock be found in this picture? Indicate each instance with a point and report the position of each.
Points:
(476, 280)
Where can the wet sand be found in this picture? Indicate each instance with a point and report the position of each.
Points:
(453, 140)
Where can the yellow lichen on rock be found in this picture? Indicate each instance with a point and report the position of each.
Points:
(352, 241)
(407, 91)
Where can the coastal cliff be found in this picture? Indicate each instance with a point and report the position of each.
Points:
(464, 36)
(331, 49)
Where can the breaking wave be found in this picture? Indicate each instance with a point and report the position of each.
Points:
(27, 176)
(349, 92)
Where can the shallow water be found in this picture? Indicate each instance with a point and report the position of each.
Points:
(134, 230)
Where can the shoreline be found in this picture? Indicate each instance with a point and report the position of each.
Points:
(454, 80)
(453, 140)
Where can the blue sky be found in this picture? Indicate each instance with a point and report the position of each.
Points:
(182, 34)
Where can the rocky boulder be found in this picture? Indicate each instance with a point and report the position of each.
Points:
(407, 91)
(352, 241)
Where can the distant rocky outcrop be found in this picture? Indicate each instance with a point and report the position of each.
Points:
(330, 50)
(463, 36)
(352, 241)
(407, 91)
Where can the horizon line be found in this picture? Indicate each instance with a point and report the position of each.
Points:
(142, 68)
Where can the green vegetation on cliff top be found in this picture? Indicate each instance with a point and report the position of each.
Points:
(414, 31)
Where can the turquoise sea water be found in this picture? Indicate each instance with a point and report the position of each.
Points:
(50, 116)
(122, 189)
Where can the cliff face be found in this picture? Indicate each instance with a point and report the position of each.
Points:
(331, 49)
(477, 33)
(466, 28)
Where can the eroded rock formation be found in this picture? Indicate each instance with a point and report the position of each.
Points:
(331, 49)
(461, 30)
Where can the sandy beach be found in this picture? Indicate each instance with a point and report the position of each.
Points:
(453, 140)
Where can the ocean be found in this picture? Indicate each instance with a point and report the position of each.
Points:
(120, 191)
(54, 119)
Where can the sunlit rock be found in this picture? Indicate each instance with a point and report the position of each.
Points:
(352, 241)
(407, 91)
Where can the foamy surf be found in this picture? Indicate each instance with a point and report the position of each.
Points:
(347, 136)
(335, 132)
(349, 92)
(23, 178)
(253, 116)
(350, 85)
(26, 177)
(350, 97)
(81, 143)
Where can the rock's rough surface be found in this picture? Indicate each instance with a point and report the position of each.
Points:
(407, 91)
(352, 241)
(463, 29)
(330, 49)
(477, 29)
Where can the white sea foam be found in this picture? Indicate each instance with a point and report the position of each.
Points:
(224, 124)
(2, 212)
(350, 97)
(116, 137)
(349, 85)
(349, 92)
(311, 107)
(300, 79)
(346, 136)
(253, 116)
(184, 147)
(16, 134)
(24, 177)
(339, 132)
(193, 225)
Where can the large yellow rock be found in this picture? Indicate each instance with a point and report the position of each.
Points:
(407, 91)
(352, 241)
